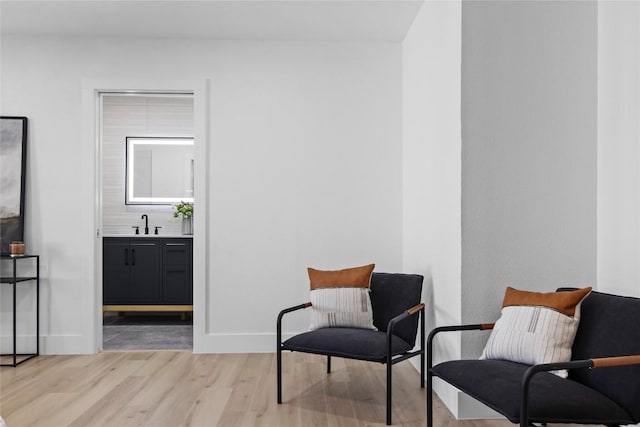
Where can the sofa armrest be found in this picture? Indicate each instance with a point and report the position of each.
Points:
(294, 308)
(282, 313)
(407, 313)
(435, 331)
(418, 308)
(600, 362)
(474, 327)
(606, 362)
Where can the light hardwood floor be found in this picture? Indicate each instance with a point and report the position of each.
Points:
(178, 388)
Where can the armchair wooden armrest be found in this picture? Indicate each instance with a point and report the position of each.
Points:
(279, 339)
(285, 311)
(416, 308)
(432, 334)
(294, 308)
(435, 331)
(605, 362)
(599, 362)
(408, 312)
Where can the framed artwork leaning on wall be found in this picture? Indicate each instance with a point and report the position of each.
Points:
(13, 162)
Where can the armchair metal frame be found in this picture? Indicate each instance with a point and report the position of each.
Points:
(602, 362)
(390, 360)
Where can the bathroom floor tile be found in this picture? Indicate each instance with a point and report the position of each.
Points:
(147, 332)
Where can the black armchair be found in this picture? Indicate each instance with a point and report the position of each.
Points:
(395, 299)
(608, 337)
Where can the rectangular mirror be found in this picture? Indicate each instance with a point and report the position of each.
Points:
(159, 170)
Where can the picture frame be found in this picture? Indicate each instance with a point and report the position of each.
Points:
(13, 165)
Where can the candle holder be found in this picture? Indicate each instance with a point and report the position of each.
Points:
(16, 248)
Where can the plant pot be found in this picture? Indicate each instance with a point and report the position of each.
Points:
(187, 225)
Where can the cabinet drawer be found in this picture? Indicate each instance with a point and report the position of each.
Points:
(176, 285)
(176, 252)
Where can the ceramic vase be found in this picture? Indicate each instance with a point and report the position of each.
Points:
(187, 225)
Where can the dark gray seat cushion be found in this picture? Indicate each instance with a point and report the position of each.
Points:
(352, 343)
(609, 327)
(498, 384)
(392, 294)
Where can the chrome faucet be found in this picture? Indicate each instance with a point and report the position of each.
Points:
(146, 223)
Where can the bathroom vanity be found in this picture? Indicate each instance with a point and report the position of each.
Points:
(147, 273)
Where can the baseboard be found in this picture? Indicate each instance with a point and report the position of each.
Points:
(49, 345)
(208, 343)
(65, 344)
(24, 344)
(471, 409)
(237, 343)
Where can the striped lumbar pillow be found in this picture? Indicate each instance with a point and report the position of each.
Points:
(340, 298)
(536, 327)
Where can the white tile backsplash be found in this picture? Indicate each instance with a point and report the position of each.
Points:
(127, 115)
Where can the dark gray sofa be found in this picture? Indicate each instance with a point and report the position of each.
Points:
(604, 374)
(395, 299)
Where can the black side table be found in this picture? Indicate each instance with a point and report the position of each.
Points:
(14, 280)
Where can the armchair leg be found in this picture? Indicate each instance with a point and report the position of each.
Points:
(328, 364)
(279, 371)
(389, 382)
(429, 398)
(422, 334)
(422, 370)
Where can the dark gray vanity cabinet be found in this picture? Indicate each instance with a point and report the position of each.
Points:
(177, 270)
(131, 271)
(147, 271)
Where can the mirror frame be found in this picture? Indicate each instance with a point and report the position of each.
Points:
(130, 199)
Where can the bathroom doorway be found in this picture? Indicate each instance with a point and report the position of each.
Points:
(147, 261)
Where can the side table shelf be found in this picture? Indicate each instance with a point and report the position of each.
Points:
(14, 280)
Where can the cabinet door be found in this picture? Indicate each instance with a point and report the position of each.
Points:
(116, 259)
(176, 281)
(145, 272)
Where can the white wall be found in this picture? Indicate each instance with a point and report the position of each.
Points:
(529, 104)
(431, 169)
(305, 171)
(528, 160)
(618, 153)
(535, 75)
(304, 164)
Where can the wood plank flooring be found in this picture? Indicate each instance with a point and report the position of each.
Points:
(178, 388)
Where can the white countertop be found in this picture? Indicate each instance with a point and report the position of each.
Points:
(152, 236)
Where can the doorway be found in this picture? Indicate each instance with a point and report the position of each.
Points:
(139, 311)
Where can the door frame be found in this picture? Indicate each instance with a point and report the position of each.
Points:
(90, 172)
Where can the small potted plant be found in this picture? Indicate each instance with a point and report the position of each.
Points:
(184, 210)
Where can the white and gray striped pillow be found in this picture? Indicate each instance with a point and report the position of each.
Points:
(341, 307)
(536, 327)
(340, 298)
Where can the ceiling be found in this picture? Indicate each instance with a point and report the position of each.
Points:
(297, 20)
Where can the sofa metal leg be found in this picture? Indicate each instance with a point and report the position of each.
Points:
(389, 382)
(422, 339)
(429, 350)
(279, 372)
(328, 364)
(429, 398)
